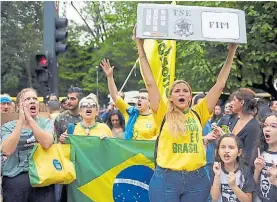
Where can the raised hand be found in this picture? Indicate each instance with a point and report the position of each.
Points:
(21, 111)
(259, 162)
(139, 41)
(232, 47)
(217, 168)
(27, 114)
(105, 64)
(231, 179)
(63, 137)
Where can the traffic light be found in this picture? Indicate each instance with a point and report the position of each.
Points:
(60, 34)
(41, 68)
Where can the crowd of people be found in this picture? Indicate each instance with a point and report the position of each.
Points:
(204, 151)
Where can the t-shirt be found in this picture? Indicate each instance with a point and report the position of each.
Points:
(63, 119)
(267, 191)
(186, 152)
(145, 127)
(248, 136)
(244, 181)
(18, 162)
(99, 129)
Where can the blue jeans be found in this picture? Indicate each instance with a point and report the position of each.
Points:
(179, 186)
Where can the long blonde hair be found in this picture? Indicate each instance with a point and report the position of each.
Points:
(174, 116)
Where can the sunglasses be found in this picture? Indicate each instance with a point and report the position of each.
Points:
(271, 125)
(89, 105)
(141, 97)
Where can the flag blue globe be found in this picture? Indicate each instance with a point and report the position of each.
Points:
(132, 184)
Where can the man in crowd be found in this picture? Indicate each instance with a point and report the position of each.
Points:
(71, 115)
(139, 120)
(6, 104)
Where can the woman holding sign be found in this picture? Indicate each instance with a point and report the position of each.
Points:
(180, 175)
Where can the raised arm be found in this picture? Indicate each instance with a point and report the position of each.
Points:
(153, 91)
(105, 64)
(216, 90)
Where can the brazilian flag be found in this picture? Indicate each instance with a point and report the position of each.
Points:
(111, 169)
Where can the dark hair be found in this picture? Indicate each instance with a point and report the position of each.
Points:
(120, 118)
(54, 105)
(261, 143)
(240, 159)
(216, 118)
(250, 105)
(63, 100)
(79, 91)
(143, 90)
(197, 97)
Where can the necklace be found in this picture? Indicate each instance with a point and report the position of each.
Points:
(87, 129)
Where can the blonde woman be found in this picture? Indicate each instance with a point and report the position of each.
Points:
(18, 138)
(88, 108)
(180, 175)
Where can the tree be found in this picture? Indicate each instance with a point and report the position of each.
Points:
(21, 31)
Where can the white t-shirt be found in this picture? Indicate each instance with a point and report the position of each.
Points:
(244, 181)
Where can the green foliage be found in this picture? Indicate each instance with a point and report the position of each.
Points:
(21, 37)
(110, 37)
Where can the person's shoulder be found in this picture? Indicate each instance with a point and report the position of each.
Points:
(102, 125)
(9, 125)
(62, 115)
(254, 124)
(44, 120)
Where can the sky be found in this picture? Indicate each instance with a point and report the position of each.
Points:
(71, 13)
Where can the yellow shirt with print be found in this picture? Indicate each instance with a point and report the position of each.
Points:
(186, 152)
(100, 129)
(145, 127)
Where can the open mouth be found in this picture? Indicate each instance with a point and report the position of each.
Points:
(139, 104)
(267, 136)
(33, 109)
(181, 100)
(88, 112)
(226, 157)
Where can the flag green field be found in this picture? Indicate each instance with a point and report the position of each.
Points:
(111, 169)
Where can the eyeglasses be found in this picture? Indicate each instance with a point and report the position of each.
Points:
(88, 105)
(141, 97)
(271, 125)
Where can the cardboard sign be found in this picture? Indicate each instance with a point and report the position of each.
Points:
(161, 21)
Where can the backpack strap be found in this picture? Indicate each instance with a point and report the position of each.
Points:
(157, 142)
(197, 115)
(158, 138)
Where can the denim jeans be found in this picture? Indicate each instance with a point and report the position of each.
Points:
(179, 186)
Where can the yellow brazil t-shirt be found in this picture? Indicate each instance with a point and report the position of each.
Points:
(99, 129)
(145, 127)
(186, 152)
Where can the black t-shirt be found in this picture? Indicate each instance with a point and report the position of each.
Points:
(249, 136)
